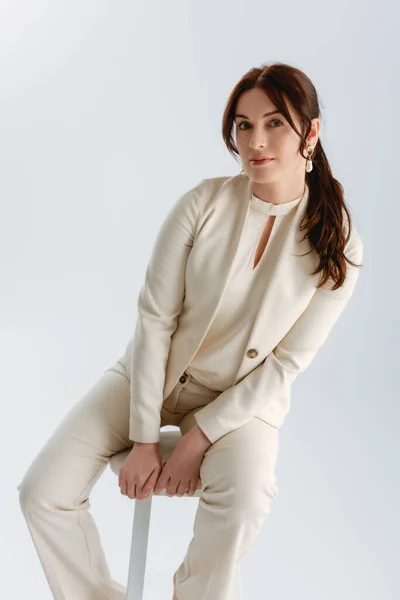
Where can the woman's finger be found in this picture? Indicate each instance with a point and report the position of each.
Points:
(182, 488)
(150, 483)
(161, 481)
(171, 488)
(193, 486)
(123, 486)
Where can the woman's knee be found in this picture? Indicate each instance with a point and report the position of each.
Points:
(31, 495)
(53, 487)
(241, 467)
(61, 476)
(251, 497)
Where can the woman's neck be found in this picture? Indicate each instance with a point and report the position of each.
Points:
(278, 192)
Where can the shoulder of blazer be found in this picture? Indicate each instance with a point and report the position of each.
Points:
(204, 193)
(216, 185)
(212, 187)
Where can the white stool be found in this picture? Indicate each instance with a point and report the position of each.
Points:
(141, 522)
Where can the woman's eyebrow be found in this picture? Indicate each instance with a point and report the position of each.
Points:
(266, 114)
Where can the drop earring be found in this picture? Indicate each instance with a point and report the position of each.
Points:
(243, 172)
(309, 165)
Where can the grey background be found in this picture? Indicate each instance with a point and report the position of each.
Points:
(89, 91)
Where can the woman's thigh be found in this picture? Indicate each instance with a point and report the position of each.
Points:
(242, 463)
(76, 454)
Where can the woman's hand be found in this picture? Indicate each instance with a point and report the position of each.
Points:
(140, 470)
(181, 472)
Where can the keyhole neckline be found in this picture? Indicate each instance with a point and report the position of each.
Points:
(268, 208)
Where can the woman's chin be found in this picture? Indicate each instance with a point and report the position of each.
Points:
(262, 177)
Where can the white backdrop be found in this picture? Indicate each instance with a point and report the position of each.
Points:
(90, 92)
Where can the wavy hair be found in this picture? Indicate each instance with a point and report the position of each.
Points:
(324, 219)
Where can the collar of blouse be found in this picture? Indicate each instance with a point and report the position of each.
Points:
(268, 208)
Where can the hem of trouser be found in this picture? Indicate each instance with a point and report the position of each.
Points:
(45, 571)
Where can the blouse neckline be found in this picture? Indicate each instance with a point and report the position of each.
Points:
(268, 208)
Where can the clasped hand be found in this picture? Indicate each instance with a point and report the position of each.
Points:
(181, 472)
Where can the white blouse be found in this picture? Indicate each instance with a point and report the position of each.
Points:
(218, 358)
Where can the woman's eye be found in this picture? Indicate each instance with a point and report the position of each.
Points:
(273, 121)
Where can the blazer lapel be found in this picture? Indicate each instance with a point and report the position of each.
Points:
(220, 229)
(219, 235)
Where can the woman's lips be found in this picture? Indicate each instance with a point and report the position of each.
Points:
(264, 161)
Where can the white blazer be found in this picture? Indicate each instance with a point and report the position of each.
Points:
(184, 282)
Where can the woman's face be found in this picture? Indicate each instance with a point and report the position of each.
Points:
(269, 136)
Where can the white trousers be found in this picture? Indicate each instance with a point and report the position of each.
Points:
(238, 488)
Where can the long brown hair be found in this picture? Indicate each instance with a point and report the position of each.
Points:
(324, 216)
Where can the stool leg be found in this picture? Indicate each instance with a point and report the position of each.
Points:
(140, 537)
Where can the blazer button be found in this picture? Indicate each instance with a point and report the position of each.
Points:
(182, 378)
(252, 353)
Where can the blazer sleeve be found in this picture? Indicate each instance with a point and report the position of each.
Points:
(269, 384)
(159, 305)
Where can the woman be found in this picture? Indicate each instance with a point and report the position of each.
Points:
(246, 279)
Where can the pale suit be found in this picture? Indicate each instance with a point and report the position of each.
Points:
(151, 386)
